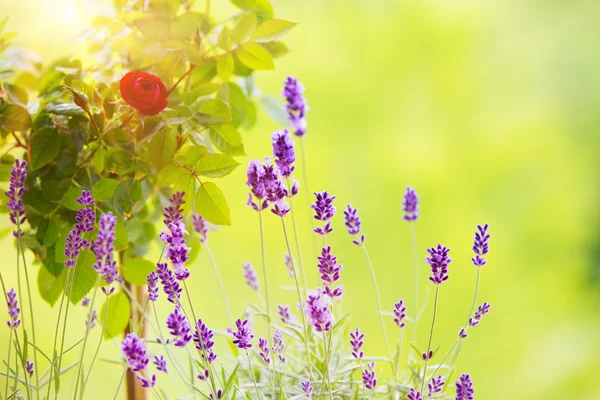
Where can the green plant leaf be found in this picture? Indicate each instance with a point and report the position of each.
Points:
(255, 56)
(50, 286)
(233, 95)
(225, 66)
(69, 109)
(170, 174)
(69, 199)
(127, 196)
(216, 165)
(276, 49)
(13, 118)
(162, 148)
(244, 28)
(229, 382)
(118, 312)
(135, 270)
(214, 111)
(211, 204)
(193, 154)
(227, 139)
(104, 189)
(121, 235)
(85, 276)
(271, 30)
(275, 109)
(44, 144)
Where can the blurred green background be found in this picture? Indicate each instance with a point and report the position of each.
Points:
(489, 109)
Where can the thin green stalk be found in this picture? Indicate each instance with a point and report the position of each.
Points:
(8, 364)
(20, 355)
(413, 234)
(264, 263)
(298, 252)
(287, 242)
(437, 291)
(252, 374)
(444, 359)
(220, 281)
(399, 358)
(207, 11)
(307, 191)
(162, 339)
(327, 351)
(379, 311)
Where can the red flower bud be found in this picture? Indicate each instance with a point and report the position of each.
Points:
(144, 92)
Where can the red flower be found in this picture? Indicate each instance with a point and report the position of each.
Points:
(144, 92)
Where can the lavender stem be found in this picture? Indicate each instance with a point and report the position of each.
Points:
(416, 265)
(220, 281)
(297, 239)
(437, 291)
(265, 278)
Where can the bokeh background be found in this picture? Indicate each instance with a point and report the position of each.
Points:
(489, 109)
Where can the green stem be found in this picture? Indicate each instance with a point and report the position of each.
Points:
(444, 359)
(265, 278)
(97, 348)
(62, 342)
(23, 361)
(437, 291)
(221, 286)
(162, 339)
(307, 191)
(413, 234)
(252, 374)
(287, 242)
(8, 364)
(327, 351)
(298, 252)
(379, 311)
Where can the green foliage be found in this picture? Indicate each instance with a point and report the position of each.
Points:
(135, 270)
(115, 314)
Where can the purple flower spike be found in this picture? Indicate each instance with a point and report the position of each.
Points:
(15, 192)
(436, 385)
(462, 334)
(13, 309)
(330, 271)
(481, 311)
(242, 335)
(173, 213)
(357, 342)
(103, 248)
(400, 314)
(438, 260)
(307, 389)
(296, 105)
(218, 396)
(352, 222)
(481, 245)
(152, 280)
(134, 349)
(368, 377)
(200, 227)
(411, 205)
(263, 345)
(250, 276)
(161, 363)
(85, 302)
(427, 356)
(170, 285)
(324, 211)
(414, 395)
(278, 345)
(284, 313)
(464, 388)
(29, 368)
(147, 383)
(73, 246)
(255, 182)
(318, 306)
(283, 150)
(178, 324)
(289, 263)
(203, 339)
(91, 319)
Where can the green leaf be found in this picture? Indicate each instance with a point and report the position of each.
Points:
(100, 158)
(275, 109)
(255, 56)
(225, 66)
(230, 380)
(227, 139)
(118, 312)
(186, 24)
(170, 174)
(69, 109)
(276, 49)
(127, 196)
(167, 7)
(216, 165)
(121, 235)
(211, 204)
(162, 148)
(244, 28)
(233, 95)
(14, 118)
(104, 189)
(50, 286)
(135, 270)
(85, 276)
(69, 200)
(188, 186)
(45, 144)
(224, 39)
(214, 111)
(271, 30)
(193, 154)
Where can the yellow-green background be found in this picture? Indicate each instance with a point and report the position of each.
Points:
(488, 108)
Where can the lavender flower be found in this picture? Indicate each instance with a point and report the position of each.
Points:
(480, 245)
(352, 222)
(218, 396)
(200, 227)
(357, 342)
(152, 280)
(15, 192)
(368, 377)
(307, 389)
(330, 271)
(296, 105)
(170, 285)
(263, 345)
(283, 150)
(414, 395)
(462, 334)
(257, 188)
(134, 349)
(91, 318)
(278, 345)
(103, 248)
(242, 335)
(85, 302)
(275, 190)
(29, 368)
(161, 363)
(438, 260)
(13, 309)
(147, 383)
(324, 211)
(289, 263)
(203, 339)
(250, 276)
(85, 217)
(400, 314)
(284, 313)
(317, 308)
(173, 213)
(427, 356)
(178, 324)
(435, 385)
(477, 315)
(464, 388)
(73, 246)
(174, 236)
(411, 205)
